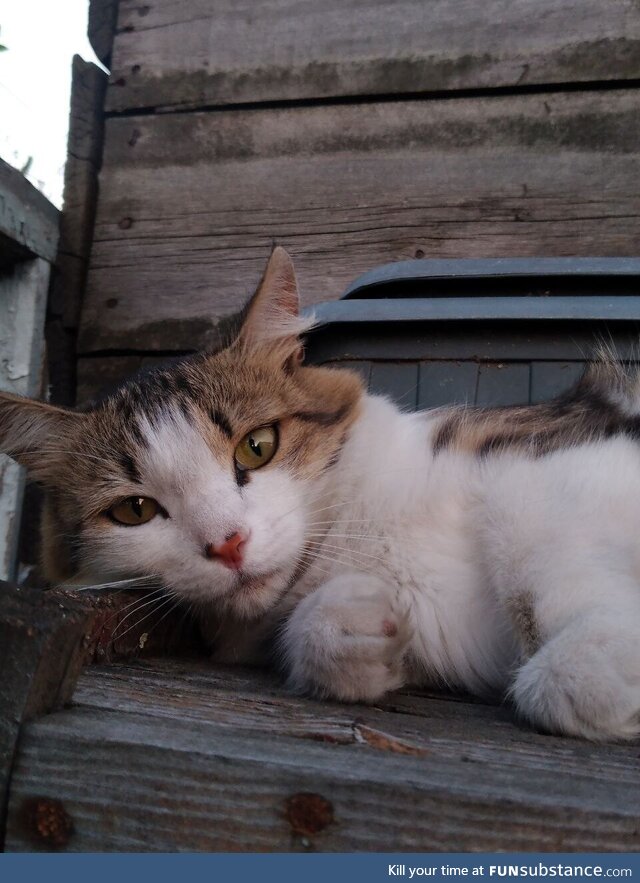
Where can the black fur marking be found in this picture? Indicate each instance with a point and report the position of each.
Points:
(335, 457)
(130, 468)
(322, 418)
(221, 422)
(495, 443)
(242, 476)
(445, 435)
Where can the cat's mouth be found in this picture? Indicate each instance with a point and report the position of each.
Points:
(253, 594)
(251, 583)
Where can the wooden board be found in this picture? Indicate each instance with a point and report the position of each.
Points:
(23, 302)
(28, 221)
(181, 756)
(40, 658)
(197, 54)
(191, 203)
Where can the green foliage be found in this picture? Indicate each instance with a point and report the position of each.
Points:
(3, 48)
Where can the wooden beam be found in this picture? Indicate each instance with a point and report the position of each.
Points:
(103, 15)
(84, 154)
(199, 54)
(168, 756)
(191, 203)
(23, 301)
(27, 218)
(41, 655)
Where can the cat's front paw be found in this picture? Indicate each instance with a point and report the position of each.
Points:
(585, 681)
(348, 640)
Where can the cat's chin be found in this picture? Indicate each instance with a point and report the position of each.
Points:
(254, 594)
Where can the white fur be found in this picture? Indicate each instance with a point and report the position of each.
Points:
(422, 563)
(460, 540)
(205, 505)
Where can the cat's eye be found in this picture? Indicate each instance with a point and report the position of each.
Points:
(134, 511)
(257, 448)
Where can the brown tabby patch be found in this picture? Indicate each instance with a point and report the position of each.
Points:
(594, 409)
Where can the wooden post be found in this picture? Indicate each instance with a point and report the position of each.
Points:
(28, 241)
(41, 654)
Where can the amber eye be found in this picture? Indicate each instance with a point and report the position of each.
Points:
(257, 448)
(134, 510)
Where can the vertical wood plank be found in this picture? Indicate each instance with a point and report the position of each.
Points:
(23, 299)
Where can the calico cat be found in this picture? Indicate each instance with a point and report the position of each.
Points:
(491, 550)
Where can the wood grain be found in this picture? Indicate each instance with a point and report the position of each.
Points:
(23, 304)
(103, 16)
(190, 204)
(40, 658)
(28, 221)
(76, 226)
(166, 756)
(199, 54)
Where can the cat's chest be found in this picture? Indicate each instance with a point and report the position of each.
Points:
(421, 553)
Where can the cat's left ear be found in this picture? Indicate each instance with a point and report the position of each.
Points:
(35, 433)
(272, 316)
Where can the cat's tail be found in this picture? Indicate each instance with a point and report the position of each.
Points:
(611, 381)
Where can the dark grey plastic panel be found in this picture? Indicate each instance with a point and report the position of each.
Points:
(480, 332)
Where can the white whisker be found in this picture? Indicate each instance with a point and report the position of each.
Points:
(161, 604)
(335, 548)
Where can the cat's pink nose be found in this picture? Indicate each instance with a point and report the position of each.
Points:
(228, 553)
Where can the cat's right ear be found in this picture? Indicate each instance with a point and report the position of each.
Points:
(272, 316)
(33, 433)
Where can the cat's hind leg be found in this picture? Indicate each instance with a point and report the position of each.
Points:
(347, 639)
(585, 680)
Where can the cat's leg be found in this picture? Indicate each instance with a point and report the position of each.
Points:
(347, 639)
(585, 680)
(576, 617)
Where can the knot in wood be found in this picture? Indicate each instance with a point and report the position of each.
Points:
(48, 821)
(308, 813)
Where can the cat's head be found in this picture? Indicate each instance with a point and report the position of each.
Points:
(204, 474)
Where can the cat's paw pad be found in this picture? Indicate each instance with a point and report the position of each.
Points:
(348, 640)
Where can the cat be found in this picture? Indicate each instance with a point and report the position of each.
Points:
(490, 550)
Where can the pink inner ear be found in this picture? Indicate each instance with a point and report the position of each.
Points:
(279, 285)
(273, 311)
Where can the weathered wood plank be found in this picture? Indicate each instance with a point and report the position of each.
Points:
(103, 16)
(40, 658)
(23, 300)
(256, 701)
(190, 204)
(132, 776)
(84, 151)
(80, 189)
(27, 218)
(97, 377)
(196, 54)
